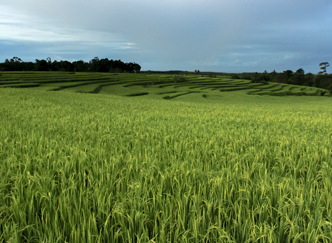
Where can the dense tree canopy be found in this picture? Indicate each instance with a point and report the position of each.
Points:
(94, 65)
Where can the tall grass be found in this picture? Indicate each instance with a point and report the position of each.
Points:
(86, 168)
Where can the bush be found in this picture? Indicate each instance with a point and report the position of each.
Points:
(179, 79)
(262, 78)
(138, 94)
(246, 77)
(235, 76)
(323, 81)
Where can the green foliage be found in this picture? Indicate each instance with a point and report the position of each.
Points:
(263, 78)
(246, 77)
(179, 79)
(94, 65)
(329, 88)
(93, 168)
(323, 81)
(323, 67)
(211, 75)
(299, 72)
(235, 76)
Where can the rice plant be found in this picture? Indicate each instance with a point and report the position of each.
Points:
(86, 168)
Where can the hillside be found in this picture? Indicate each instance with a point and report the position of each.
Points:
(163, 86)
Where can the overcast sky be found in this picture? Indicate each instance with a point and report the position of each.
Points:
(209, 35)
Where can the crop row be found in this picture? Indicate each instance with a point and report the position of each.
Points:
(135, 83)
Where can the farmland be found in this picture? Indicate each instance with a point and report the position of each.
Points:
(154, 159)
(192, 87)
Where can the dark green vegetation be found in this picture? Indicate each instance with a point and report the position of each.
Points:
(94, 65)
(322, 80)
(191, 87)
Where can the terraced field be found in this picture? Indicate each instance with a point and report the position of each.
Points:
(153, 85)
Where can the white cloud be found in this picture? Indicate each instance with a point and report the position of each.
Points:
(20, 27)
(176, 33)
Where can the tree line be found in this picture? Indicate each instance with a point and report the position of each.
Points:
(94, 65)
(320, 80)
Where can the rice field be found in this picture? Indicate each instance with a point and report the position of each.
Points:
(77, 167)
(152, 85)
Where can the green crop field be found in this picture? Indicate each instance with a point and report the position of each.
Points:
(151, 159)
(152, 85)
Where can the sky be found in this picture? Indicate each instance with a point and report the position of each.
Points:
(207, 35)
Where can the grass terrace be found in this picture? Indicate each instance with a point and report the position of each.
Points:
(154, 85)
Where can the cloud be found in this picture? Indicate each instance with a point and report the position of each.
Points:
(169, 34)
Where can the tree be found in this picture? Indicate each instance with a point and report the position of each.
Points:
(15, 64)
(289, 73)
(323, 66)
(299, 72)
(309, 79)
(323, 81)
(137, 68)
(298, 78)
(41, 65)
(103, 65)
(273, 74)
(49, 62)
(95, 65)
(262, 78)
(80, 66)
(16, 59)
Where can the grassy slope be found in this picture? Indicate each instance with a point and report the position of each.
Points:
(233, 168)
(156, 86)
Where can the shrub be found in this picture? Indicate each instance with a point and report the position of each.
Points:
(138, 94)
(262, 78)
(246, 77)
(235, 76)
(179, 79)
